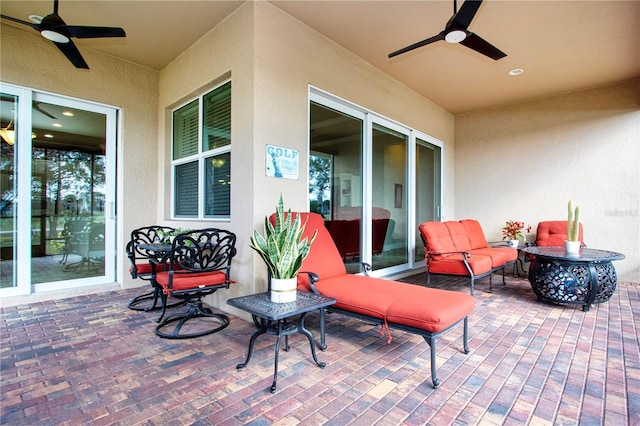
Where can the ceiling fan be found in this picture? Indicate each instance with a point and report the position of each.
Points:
(53, 28)
(456, 32)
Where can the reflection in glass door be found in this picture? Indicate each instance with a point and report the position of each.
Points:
(67, 168)
(335, 179)
(429, 187)
(8, 189)
(389, 203)
(374, 180)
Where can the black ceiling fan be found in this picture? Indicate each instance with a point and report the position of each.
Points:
(53, 28)
(456, 32)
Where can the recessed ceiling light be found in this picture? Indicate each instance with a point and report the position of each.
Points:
(516, 71)
(68, 113)
(57, 125)
(48, 135)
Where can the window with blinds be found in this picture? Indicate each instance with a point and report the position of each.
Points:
(201, 156)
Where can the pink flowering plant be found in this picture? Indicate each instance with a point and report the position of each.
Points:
(513, 230)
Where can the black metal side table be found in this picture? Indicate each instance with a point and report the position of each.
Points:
(273, 318)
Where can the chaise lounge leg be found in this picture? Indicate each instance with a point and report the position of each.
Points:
(431, 341)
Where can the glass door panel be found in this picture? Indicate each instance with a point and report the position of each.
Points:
(389, 222)
(335, 178)
(68, 191)
(8, 190)
(428, 188)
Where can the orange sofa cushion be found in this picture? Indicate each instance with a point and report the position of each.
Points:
(189, 281)
(453, 265)
(477, 240)
(436, 238)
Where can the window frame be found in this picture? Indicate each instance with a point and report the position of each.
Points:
(200, 158)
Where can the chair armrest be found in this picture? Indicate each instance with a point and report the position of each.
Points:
(313, 279)
(465, 254)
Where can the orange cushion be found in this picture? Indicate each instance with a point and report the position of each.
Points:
(498, 257)
(510, 254)
(189, 281)
(324, 258)
(436, 238)
(458, 235)
(428, 308)
(474, 233)
(147, 268)
(453, 265)
(554, 233)
(356, 293)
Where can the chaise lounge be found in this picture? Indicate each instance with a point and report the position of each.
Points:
(420, 310)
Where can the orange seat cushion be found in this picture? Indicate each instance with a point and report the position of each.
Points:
(498, 257)
(453, 265)
(147, 268)
(191, 281)
(428, 308)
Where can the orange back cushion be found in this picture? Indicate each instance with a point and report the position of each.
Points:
(324, 258)
(553, 233)
(458, 235)
(436, 238)
(474, 232)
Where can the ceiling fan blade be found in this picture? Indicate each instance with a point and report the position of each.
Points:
(20, 21)
(418, 44)
(72, 53)
(79, 31)
(477, 43)
(465, 15)
(37, 107)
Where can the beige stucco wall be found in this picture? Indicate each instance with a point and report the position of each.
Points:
(525, 161)
(272, 59)
(26, 59)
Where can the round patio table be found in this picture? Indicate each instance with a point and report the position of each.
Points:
(586, 278)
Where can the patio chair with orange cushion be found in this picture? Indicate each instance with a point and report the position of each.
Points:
(141, 266)
(199, 265)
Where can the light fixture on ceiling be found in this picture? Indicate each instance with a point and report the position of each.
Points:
(8, 134)
(516, 71)
(67, 113)
(455, 36)
(51, 28)
(56, 125)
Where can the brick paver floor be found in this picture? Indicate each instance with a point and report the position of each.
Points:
(90, 360)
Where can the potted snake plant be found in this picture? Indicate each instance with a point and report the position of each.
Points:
(283, 249)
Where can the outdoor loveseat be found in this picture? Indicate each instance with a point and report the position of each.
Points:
(460, 248)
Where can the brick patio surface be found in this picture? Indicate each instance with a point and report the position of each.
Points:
(90, 360)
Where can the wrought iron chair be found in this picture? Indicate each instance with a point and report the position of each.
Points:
(141, 266)
(199, 265)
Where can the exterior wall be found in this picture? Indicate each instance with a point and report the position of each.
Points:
(525, 161)
(272, 59)
(29, 60)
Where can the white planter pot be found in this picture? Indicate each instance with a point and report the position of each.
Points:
(572, 247)
(513, 243)
(284, 290)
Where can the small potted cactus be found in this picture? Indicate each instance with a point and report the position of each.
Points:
(572, 244)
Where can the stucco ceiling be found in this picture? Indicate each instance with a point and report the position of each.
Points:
(561, 45)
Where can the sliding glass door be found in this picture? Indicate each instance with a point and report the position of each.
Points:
(374, 181)
(60, 234)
